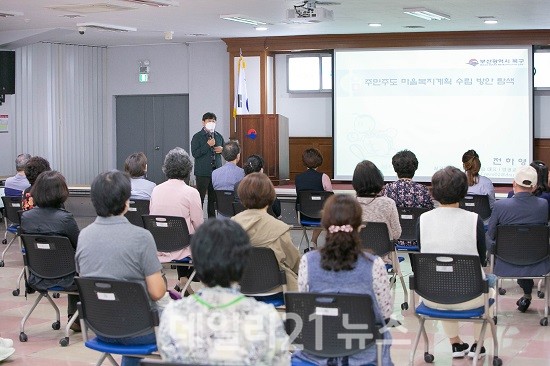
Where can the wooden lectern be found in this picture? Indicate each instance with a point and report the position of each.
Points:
(265, 135)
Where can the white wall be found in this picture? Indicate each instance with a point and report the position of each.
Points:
(542, 114)
(7, 163)
(309, 115)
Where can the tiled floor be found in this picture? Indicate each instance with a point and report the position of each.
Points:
(521, 339)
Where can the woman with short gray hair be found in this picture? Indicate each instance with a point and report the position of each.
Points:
(175, 198)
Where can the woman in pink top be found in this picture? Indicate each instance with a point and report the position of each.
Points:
(175, 198)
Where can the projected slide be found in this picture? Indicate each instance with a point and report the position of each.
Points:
(437, 103)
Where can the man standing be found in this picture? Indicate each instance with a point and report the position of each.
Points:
(206, 147)
(225, 177)
(521, 209)
(15, 185)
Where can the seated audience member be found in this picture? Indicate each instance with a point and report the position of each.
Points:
(14, 186)
(312, 180)
(257, 194)
(225, 177)
(33, 168)
(113, 248)
(542, 189)
(175, 198)
(250, 333)
(136, 166)
(523, 208)
(255, 164)
(368, 181)
(449, 229)
(477, 184)
(49, 192)
(342, 266)
(6, 348)
(404, 191)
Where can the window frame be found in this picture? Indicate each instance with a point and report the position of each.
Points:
(319, 56)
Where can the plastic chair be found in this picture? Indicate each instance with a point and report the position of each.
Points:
(347, 321)
(262, 278)
(115, 309)
(310, 204)
(522, 246)
(49, 257)
(375, 237)
(136, 210)
(450, 279)
(224, 203)
(12, 222)
(478, 204)
(171, 234)
(408, 218)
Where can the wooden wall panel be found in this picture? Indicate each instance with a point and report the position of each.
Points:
(297, 147)
(542, 150)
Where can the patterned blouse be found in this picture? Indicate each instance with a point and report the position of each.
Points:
(407, 193)
(220, 326)
(379, 284)
(381, 209)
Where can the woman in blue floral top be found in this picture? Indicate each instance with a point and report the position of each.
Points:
(218, 325)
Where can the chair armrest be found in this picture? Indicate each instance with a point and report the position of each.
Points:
(83, 324)
(411, 283)
(282, 277)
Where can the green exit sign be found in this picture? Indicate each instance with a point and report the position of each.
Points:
(143, 78)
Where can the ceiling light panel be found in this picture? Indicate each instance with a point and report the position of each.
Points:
(242, 19)
(89, 8)
(157, 3)
(426, 14)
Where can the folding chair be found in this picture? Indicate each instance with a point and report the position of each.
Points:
(309, 207)
(12, 222)
(375, 237)
(49, 257)
(115, 309)
(136, 210)
(332, 324)
(238, 208)
(171, 234)
(478, 204)
(262, 278)
(450, 279)
(224, 203)
(408, 218)
(525, 247)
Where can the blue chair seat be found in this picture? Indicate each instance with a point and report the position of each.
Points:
(183, 260)
(389, 267)
(120, 349)
(408, 248)
(422, 309)
(310, 223)
(12, 228)
(275, 299)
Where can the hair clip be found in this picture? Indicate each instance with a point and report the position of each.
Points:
(345, 228)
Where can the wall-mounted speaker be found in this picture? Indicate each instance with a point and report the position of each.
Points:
(7, 72)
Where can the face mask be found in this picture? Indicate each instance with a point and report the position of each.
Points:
(210, 126)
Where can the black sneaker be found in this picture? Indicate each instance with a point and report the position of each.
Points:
(472, 352)
(460, 349)
(523, 304)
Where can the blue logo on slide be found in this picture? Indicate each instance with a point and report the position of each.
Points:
(472, 62)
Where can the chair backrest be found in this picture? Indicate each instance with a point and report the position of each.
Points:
(137, 209)
(478, 204)
(262, 273)
(170, 232)
(310, 203)
(238, 207)
(11, 206)
(224, 202)
(49, 256)
(408, 217)
(375, 237)
(447, 278)
(115, 308)
(331, 324)
(522, 245)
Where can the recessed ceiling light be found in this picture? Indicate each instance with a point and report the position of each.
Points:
(490, 21)
(426, 14)
(242, 19)
(375, 25)
(261, 28)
